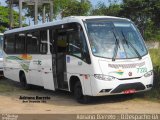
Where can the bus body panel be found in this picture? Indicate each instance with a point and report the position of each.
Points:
(127, 68)
(47, 72)
(1, 52)
(11, 66)
(77, 67)
(37, 69)
(41, 68)
(121, 75)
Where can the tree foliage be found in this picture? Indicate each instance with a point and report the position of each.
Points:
(145, 14)
(102, 9)
(76, 8)
(63, 8)
(4, 18)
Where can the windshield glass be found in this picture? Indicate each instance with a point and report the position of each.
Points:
(105, 37)
(1, 38)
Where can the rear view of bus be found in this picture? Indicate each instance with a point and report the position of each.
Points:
(1, 54)
(122, 64)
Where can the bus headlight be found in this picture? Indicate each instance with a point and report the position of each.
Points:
(148, 74)
(104, 77)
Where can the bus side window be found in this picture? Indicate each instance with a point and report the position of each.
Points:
(20, 43)
(33, 42)
(62, 42)
(43, 43)
(77, 44)
(74, 44)
(9, 45)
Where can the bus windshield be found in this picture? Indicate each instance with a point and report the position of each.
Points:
(118, 39)
(1, 39)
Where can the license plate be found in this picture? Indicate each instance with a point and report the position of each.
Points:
(130, 91)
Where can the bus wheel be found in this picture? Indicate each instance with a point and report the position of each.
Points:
(23, 82)
(78, 94)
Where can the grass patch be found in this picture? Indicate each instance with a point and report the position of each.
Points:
(6, 86)
(155, 92)
(155, 56)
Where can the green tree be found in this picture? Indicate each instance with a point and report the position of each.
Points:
(76, 8)
(4, 18)
(137, 11)
(63, 7)
(111, 10)
(145, 13)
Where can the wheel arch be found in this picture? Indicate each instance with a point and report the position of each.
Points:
(72, 81)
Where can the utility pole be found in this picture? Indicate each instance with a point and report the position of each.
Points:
(44, 14)
(20, 13)
(10, 14)
(36, 12)
(51, 11)
(36, 3)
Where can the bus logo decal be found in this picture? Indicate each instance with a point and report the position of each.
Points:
(130, 73)
(22, 60)
(119, 72)
(26, 57)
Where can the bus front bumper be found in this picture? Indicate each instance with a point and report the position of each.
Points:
(103, 88)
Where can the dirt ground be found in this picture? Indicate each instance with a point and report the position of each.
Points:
(63, 102)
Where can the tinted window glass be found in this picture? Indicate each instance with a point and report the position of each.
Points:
(20, 43)
(62, 42)
(43, 45)
(9, 44)
(33, 42)
(74, 44)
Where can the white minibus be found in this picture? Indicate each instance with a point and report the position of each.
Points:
(86, 55)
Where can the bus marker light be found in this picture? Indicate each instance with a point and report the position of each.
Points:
(86, 76)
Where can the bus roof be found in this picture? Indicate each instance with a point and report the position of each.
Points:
(64, 20)
(1, 33)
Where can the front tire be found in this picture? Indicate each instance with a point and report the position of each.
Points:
(78, 94)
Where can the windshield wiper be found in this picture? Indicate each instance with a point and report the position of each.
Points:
(128, 43)
(116, 47)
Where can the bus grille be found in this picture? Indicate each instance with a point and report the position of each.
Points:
(136, 86)
(134, 65)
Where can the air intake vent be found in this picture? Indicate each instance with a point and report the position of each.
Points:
(134, 65)
(136, 86)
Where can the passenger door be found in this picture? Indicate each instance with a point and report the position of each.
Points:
(61, 49)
